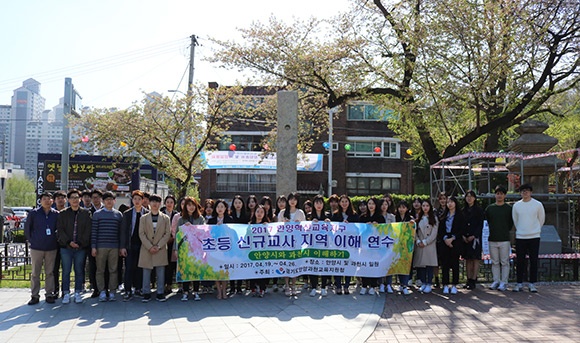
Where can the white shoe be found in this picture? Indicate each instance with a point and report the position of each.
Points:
(453, 290)
(66, 298)
(409, 283)
(103, 296)
(494, 285)
(372, 291)
(532, 288)
(427, 289)
(518, 288)
(184, 297)
(502, 286)
(363, 291)
(323, 292)
(406, 291)
(422, 288)
(419, 283)
(382, 288)
(313, 292)
(446, 290)
(196, 297)
(389, 289)
(78, 298)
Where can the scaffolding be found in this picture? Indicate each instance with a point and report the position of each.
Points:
(482, 171)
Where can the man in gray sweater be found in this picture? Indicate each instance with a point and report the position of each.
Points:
(105, 241)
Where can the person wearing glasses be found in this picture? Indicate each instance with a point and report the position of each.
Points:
(529, 216)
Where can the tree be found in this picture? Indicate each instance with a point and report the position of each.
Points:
(20, 191)
(457, 73)
(169, 134)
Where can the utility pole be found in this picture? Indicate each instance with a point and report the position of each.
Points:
(194, 43)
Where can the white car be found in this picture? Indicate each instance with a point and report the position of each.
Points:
(21, 212)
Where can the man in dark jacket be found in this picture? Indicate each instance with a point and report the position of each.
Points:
(130, 246)
(40, 231)
(74, 237)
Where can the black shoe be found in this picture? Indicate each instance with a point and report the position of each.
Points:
(346, 291)
(339, 291)
(128, 296)
(50, 299)
(95, 294)
(146, 298)
(34, 300)
(139, 293)
(161, 297)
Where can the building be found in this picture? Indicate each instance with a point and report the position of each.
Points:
(5, 113)
(366, 158)
(27, 106)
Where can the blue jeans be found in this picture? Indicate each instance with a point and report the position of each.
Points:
(425, 274)
(70, 258)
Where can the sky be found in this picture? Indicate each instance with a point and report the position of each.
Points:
(114, 50)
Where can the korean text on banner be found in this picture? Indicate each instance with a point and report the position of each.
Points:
(239, 251)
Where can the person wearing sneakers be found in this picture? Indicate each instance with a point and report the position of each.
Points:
(154, 232)
(402, 214)
(40, 232)
(105, 242)
(425, 258)
(500, 222)
(318, 214)
(74, 236)
(529, 216)
(372, 215)
(450, 229)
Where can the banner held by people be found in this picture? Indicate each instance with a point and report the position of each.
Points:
(240, 251)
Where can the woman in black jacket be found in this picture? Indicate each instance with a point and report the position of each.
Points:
(451, 228)
(474, 216)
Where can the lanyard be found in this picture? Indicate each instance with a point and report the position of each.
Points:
(75, 228)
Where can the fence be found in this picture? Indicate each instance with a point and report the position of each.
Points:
(553, 267)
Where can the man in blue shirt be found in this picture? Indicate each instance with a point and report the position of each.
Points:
(40, 231)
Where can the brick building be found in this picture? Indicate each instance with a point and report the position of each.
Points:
(366, 158)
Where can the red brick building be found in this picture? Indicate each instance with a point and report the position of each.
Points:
(367, 159)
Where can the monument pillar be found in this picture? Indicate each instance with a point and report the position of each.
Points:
(287, 142)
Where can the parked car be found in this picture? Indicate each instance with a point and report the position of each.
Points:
(22, 211)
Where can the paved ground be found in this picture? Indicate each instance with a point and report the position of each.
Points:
(552, 315)
(274, 318)
(482, 315)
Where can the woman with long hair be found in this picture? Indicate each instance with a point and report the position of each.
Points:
(346, 214)
(267, 203)
(450, 231)
(316, 215)
(190, 214)
(402, 214)
(251, 204)
(373, 215)
(239, 215)
(220, 216)
(425, 258)
(474, 216)
(292, 213)
(259, 217)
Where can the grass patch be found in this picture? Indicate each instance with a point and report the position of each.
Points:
(17, 277)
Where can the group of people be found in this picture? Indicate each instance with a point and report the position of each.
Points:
(124, 246)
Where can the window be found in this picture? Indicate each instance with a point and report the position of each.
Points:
(356, 185)
(242, 142)
(250, 182)
(367, 112)
(367, 149)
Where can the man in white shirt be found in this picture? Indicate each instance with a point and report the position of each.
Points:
(529, 217)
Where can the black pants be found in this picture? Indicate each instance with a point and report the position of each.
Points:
(370, 282)
(133, 274)
(449, 260)
(186, 286)
(530, 247)
(313, 280)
